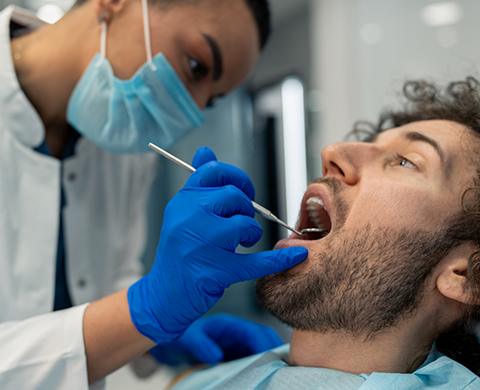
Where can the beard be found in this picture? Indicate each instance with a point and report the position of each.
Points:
(363, 282)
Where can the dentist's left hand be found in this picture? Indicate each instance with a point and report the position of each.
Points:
(217, 338)
(196, 260)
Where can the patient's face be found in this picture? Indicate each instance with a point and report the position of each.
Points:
(388, 206)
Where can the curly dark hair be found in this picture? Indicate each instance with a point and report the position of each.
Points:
(459, 102)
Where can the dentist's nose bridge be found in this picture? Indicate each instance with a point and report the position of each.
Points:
(345, 160)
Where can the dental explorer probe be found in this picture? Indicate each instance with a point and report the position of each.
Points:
(259, 209)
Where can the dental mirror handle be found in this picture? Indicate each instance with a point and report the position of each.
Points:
(259, 209)
(172, 158)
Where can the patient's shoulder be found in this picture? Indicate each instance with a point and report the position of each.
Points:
(269, 370)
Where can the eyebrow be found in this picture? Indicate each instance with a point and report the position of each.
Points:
(217, 57)
(415, 136)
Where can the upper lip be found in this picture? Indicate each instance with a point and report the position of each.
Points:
(320, 191)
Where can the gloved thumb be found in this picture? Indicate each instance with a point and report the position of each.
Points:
(259, 339)
(267, 263)
(208, 351)
(203, 156)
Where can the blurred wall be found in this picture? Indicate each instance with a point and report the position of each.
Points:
(287, 52)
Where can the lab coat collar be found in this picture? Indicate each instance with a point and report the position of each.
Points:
(16, 112)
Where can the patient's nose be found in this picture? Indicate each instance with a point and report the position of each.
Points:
(344, 161)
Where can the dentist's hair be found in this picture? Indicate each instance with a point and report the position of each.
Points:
(260, 10)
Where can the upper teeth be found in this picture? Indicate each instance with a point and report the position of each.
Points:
(312, 208)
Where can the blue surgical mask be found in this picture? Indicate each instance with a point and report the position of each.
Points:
(125, 116)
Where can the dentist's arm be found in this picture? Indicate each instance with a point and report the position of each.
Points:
(111, 340)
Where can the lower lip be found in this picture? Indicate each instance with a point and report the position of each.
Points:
(289, 242)
(292, 241)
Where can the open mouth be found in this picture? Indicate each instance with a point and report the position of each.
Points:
(314, 215)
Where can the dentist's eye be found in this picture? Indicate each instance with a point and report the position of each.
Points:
(404, 162)
(199, 70)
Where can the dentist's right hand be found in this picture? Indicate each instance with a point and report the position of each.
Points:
(196, 260)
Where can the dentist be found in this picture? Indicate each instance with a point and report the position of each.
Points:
(79, 102)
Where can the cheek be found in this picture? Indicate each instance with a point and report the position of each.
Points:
(302, 268)
(396, 207)
(200, 91)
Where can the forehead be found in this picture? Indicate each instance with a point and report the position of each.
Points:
(452, 138)
(441, 130)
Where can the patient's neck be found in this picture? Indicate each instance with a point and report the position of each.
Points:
(399, 350)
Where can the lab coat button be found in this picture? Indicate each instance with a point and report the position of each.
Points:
(72, 176)
(82, 282)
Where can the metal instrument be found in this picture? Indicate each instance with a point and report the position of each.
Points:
(259, 209)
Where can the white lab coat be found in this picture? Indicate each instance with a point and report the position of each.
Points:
(104, 222)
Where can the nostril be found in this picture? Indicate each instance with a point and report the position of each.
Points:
(339, 169)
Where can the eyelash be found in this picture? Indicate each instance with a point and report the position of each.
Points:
(399, 157)
(211, 103)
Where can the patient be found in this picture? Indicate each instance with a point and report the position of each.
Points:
(396, 280)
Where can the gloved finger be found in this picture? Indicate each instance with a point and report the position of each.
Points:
(171, 354)
(203, 156)
(207, 351)
(228, 201)
(261, 338)
(258, 265)
(217, 174)
(227, 329)
(237, 230)
(241, 230)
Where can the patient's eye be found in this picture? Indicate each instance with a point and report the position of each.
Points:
(404, 162)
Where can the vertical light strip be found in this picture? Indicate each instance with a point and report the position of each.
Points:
(294, 146)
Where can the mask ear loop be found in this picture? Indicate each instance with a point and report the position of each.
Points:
(146, 30)
(103, 38)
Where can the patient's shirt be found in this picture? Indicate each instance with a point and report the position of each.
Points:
(269, 370)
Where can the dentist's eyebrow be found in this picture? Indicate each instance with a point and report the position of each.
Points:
(217, 57)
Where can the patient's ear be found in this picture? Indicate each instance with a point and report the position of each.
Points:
(452, 277)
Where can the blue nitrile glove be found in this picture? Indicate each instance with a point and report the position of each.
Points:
(217, 338)
(196, 260)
